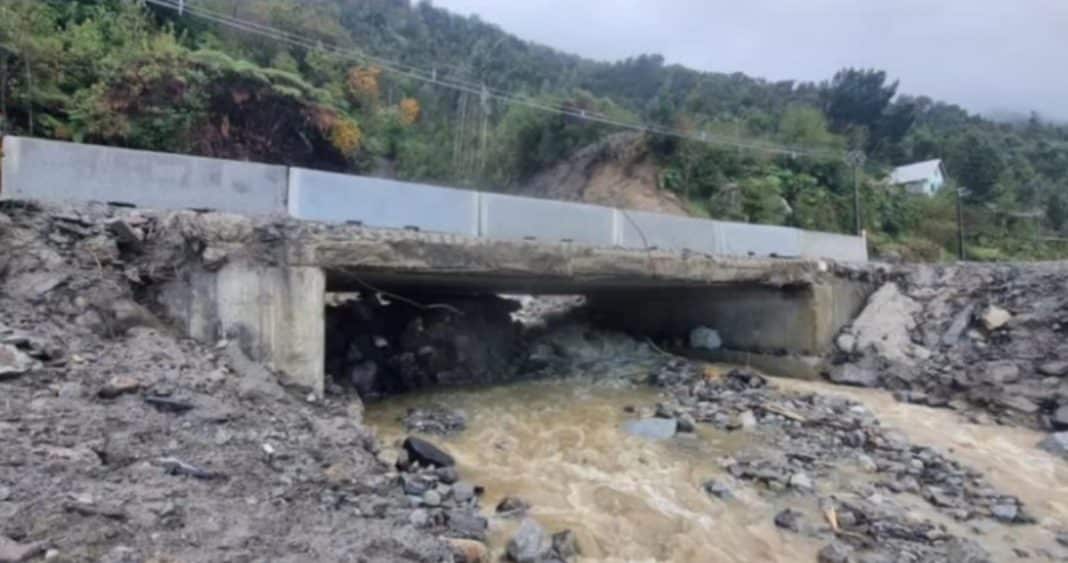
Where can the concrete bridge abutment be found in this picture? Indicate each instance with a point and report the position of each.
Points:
(274, 313)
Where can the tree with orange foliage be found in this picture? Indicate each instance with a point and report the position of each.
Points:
(410, 111)
(346, 136)
(363, 83)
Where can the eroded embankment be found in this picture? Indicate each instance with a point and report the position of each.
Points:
(124, 442)
(984, 340)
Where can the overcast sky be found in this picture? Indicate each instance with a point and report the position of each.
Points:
(982, 54)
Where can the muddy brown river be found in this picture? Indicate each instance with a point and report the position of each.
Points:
(560, 445)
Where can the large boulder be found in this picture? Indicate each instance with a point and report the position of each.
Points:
(427, 454)
(530, 544)
(884, 327)
(853, 374)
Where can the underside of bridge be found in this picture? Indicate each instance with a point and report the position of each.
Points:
(276, 312)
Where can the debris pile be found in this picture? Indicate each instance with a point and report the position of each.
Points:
(802, 444)
(986, 340)
(123, 442)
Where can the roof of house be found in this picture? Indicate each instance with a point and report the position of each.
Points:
(915, 172)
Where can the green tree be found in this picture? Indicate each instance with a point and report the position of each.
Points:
(858, 97)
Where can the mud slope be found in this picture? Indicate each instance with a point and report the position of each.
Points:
(617, 172)
(122, 442)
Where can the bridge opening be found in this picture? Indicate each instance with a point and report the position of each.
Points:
(390, 334)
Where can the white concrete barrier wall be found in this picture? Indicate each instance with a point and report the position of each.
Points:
(639, 229)
(831, 245)
(325, 196)
(746, 239)
(513, 218)
(70, 172)
(57, 171)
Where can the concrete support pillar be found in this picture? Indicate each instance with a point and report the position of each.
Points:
(275, 313)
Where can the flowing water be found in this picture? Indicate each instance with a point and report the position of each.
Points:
(560, 446)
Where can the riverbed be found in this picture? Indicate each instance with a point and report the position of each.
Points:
(561, 446)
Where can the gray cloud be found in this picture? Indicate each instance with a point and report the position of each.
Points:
(982, 54)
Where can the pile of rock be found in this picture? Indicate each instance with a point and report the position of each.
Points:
(986, 340)
(379, 344)
(805, 438)
(440, 421)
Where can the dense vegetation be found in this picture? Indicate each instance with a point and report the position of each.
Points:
(117, 72)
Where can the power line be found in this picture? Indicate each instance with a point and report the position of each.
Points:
(422, 75)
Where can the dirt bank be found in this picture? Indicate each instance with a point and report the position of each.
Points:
(123, 442)
(617, 172)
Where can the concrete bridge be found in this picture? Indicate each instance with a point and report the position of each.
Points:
(765, 288)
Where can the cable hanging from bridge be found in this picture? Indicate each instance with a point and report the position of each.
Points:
(478, 89)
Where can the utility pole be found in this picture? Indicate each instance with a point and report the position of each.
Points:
(960, 223)
(856, 159)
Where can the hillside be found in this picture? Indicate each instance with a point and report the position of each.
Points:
(111, 72)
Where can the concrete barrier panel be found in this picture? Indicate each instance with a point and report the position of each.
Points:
(845, 248)
(70, 172)
(639, 229)
(744, 239)
(512, 217)
(375, 202)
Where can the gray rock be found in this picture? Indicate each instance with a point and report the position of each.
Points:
(530, 544)
(447, 475)
(565, 545)
(705, 338)
(13, 362)
(867, 463)
(466, 523)
(1022, 404)
(999, 373)
(994, 317)
(1006, 512)
(415, 484)
(419, 518)
(432, 498)
(835, 552)
(965, 551)
(1060, 418)
(801, 481)
(1054, 369)
(686, 423)
(747, 420)
(463, 491)
(1056, 443)
(427, 454)
(718, 489)
(852, 374)
(652, 428)
(435, 420)
(957, 327)
(846, 342)
(788, 519)
(512, 506)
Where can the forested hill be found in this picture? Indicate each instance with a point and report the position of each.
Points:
(124, 73)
